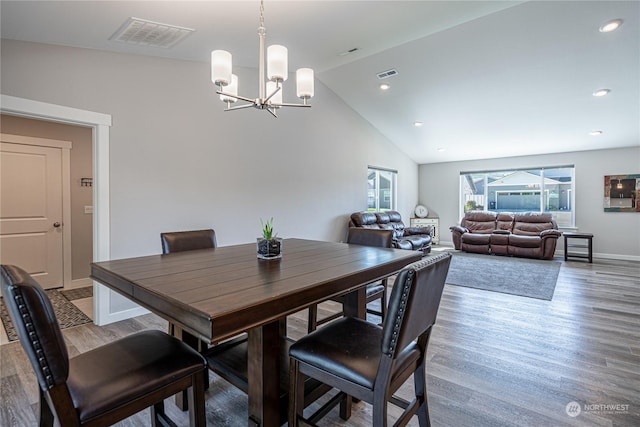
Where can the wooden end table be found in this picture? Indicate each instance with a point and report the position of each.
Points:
(588, 244)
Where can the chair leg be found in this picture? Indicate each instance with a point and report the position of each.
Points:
(383, 301)
(379, 410)
(46, 416)
(420, 387)
(312, 323)
(345, 407)
(197, 417)
(158, 417)
(296, 394)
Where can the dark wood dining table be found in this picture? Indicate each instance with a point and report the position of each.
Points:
(216, 294)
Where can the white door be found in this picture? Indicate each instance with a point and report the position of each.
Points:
(31, 211)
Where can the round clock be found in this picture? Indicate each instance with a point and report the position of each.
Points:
(421, 211)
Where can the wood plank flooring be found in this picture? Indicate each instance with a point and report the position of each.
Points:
(494, 359)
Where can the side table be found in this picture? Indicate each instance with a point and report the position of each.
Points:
(588, 244)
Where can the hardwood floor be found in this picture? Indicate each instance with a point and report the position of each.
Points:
(494, 359)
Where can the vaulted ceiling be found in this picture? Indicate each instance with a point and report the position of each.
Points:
(486, 78)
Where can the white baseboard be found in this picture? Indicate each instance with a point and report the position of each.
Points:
(599, 255)
(560, 253)
(79, 283)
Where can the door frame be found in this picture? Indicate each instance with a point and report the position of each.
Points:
(100, 124)
(65, 147)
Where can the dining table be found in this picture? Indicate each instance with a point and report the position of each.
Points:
(238, 304)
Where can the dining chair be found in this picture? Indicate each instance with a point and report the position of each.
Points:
(369, 362)
(180, 241)
(107, 384)
(375, 291)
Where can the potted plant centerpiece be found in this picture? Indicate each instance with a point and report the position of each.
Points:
(269, 246)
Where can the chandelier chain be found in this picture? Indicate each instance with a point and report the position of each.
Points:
(262, 14)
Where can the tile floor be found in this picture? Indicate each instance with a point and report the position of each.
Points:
(84, 304)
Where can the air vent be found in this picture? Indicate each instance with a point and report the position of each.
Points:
(387, 74)
(148, 33)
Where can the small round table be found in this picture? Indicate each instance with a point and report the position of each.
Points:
(588, 237)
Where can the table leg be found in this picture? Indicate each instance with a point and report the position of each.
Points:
(264, 373)
(355, 303)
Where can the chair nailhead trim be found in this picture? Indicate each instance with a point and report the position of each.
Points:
(34, 340)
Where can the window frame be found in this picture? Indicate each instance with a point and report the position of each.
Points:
(564, 196)
(392, 194)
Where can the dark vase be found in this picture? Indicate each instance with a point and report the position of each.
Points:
(269, 249)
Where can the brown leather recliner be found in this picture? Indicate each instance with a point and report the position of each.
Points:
(534, 235)
(411, 238)
(526, 234)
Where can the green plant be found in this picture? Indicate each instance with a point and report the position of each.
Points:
(267, 229)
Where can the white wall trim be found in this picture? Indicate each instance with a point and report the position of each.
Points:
(100, 124)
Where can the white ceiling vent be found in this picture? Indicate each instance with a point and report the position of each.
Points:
(149, 33)
(388, 73)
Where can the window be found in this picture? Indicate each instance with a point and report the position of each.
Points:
(539, 190)
(381, 189)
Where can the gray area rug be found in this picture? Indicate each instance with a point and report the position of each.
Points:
(517, 276)
(67, 313)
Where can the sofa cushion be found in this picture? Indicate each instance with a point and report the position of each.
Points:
(404, 244)
(417, 241)
(532, 223)
(476, 238)
(362, 219)
(523, 241)
(504, 221)
(382, 218)
(391, 220)
(479, 222)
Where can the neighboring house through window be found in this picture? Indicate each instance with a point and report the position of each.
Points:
(381, 189)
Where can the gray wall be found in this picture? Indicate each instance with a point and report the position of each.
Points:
(616, 234)
(178, 161)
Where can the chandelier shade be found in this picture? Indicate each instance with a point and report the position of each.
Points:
(277, 63)
(270, 89)
(304, 83)
(231, 89)
(221, 67)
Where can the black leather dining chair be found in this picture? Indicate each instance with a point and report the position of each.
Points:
(179, 241)
(107, 384)
(369, 362)
(375, 291)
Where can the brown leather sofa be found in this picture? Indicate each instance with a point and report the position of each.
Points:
(525, 234)
(411, 238)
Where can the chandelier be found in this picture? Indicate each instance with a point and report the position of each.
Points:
(270, 91)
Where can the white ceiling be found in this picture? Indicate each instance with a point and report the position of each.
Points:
(487, 78)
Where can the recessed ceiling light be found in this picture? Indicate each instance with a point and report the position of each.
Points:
(601, 92)
(417, 124)
(440, 150)
(349, 51)
(595, 132)
(612, 25)
(385, 86)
